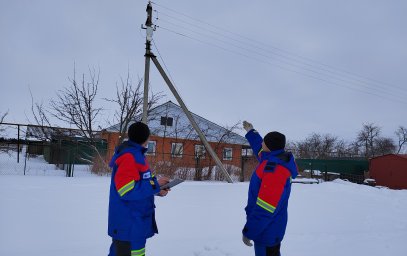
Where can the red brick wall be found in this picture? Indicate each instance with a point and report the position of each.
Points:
(163, 150)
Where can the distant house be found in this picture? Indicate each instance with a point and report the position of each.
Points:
(45, 133)
(389, 170)
(61, 145)
(174, 139)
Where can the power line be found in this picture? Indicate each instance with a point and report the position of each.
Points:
(291, 59)
(279, 66)
(291, 55)
(312, 69)
(166, 68)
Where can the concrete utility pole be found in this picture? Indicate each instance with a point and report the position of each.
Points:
(149, 55)
(149, 36)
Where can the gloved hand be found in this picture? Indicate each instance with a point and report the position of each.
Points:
(162, 180)
(247, 126)
(164, 192)
(247, 241)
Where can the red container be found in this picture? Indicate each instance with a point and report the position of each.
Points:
(389, 171)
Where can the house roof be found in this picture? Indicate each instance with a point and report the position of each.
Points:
(181, 127)
(40, 133)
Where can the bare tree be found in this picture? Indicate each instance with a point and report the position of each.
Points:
(317, 146)
(354, 149)
(291, 146)
(4, 149)
(366, 138)
(341, 149)
(39, 112)
(75, 104)
(41, 118)
(2, 117)
(385, 146)
(224, 137)
(328, 145)
(402, 138)
(129, 100)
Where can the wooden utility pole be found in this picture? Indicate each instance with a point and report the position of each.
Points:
(149, 55)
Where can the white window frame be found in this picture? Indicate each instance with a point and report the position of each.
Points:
(231, 154)
(154, 148)
(247, 152)
(181, 151)
(203, 150)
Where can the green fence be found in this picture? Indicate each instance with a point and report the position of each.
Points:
(342, 166)
(73, 151)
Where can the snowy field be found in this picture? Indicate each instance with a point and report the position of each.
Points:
(34, 165)
(46, 216)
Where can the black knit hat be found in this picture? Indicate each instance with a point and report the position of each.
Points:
(275, 141)
(138, 132)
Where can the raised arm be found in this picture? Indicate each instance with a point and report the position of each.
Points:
(254, 139)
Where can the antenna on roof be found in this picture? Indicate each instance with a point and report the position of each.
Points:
(150, 27)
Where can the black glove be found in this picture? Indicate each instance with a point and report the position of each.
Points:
(247, 241)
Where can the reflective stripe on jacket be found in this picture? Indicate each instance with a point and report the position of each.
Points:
(269, 191)
(132, 190)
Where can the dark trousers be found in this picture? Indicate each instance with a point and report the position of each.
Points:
(261, 250)
(125, 248)
(120, 248)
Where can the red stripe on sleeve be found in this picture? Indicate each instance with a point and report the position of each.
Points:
(272, 185)
(127, 171)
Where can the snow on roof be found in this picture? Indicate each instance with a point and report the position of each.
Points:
(181, 127)
(37, 132)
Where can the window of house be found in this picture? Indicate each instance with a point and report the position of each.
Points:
(200, 151)
(151, 147)
(177, 149)
(167, 121)
(247, 152)
(227, 154)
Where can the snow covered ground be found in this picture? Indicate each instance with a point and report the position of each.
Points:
(34, 165)
(45, 215)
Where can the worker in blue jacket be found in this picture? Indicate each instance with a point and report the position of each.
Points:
(269, 191)
(132, 190)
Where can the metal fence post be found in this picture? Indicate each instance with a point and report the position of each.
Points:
(25, 160)
(18, 143)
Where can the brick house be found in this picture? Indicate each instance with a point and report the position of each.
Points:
(174, 140)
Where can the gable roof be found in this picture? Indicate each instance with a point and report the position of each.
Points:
(181, 127)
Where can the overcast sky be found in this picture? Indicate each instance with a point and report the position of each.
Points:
(272, 80)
